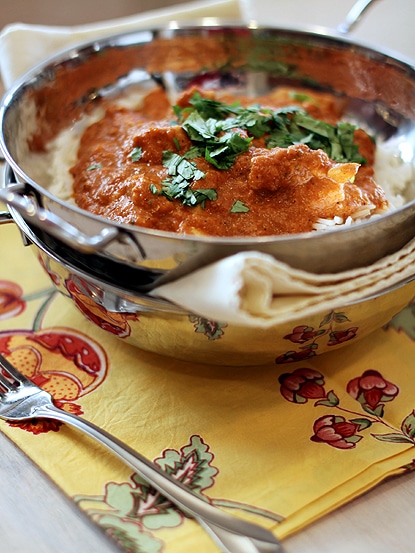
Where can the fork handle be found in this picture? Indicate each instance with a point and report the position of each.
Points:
(231, 534)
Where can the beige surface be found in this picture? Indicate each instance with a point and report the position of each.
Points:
(75, 12)
(36, 518)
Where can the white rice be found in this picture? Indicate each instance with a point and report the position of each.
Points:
(394, 173)
(63, 153)
(394, 170)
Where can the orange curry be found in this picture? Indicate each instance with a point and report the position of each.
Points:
(226, 166)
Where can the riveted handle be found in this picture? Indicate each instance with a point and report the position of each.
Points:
(54, 225)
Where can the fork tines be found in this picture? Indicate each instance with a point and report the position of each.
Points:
(10, 377)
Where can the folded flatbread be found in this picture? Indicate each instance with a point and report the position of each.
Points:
(254, 289)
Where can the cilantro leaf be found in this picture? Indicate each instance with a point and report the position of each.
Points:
(256, 120)
(209, 108)
(199, 129)
(181, 175)
(94, 166)
(199, 196)
(176, 143)
(239, 207)
(221, 132)
(136, 154)
(208, 118)
(220, 148)
(180, 167)
(337, 141)
(222, 153)
(346, 138)
(193, 152)
(302, 97)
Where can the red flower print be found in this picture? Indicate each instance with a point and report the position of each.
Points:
(293, 356)
(302, 334)
(116, 323)
(340, 336)
(307, 335)
(11, 303)
(336, 431)
(71, 346)
(64, 362)
(38, 426)
(371, 390)
(45, 263)
(301, 385)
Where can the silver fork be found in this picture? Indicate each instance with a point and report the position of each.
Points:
(20, 399)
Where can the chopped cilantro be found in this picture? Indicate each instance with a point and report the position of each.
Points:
(302, 97)
(220, 149)
(199, 129)
(220, 132)
(226, 149)
(298, 127)
(194, 152)
(179, 167)
(136, 154)
(178, 111)
(94, 166)
(177, 187)
(209, 108)
(255, 120)
(207, 122)
(239, 207)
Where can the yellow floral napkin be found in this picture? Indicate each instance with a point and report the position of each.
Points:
(279, 444)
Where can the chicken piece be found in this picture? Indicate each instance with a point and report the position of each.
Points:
(155, 139)
(294, 166)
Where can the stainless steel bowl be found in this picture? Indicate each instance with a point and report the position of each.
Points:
(153, 324)
(379, 90)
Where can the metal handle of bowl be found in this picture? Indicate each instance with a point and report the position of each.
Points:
(5, 216)
(54, 225)
(354, 16)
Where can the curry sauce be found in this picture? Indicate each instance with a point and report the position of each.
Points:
(185, 170)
